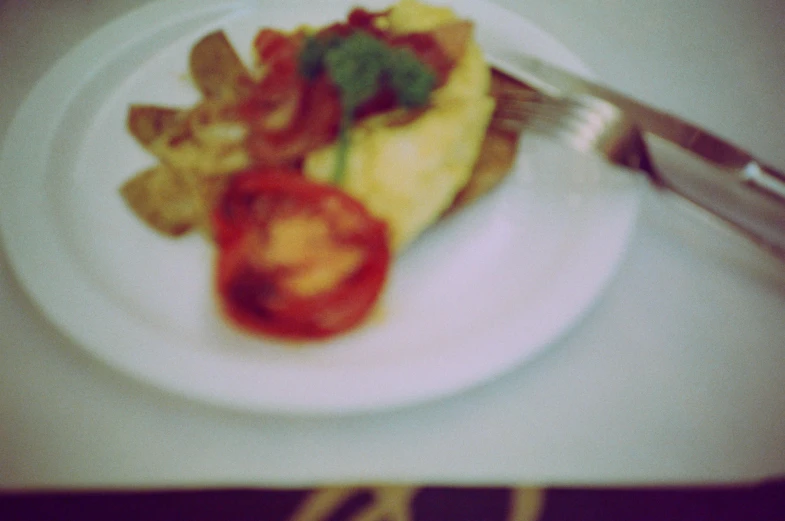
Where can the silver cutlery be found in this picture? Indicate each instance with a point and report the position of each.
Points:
(675, 155)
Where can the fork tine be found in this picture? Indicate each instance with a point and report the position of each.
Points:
(514, 107)
(563, 116)
(521, 111)
(584, 123)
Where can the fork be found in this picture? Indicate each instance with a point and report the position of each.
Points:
(741, 192)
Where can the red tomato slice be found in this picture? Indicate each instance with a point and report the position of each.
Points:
(296, 259)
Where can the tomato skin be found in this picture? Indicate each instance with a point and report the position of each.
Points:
(258, 294)
(288, 115)
(234, 212)
(278, 52)
(314, 123)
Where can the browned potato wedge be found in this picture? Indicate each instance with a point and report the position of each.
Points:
(216, 69)
(497, 156)
(147, 123)
(163, 199)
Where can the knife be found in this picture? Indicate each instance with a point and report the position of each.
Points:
(707, 170)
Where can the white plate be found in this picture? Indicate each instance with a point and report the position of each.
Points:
(473, 298)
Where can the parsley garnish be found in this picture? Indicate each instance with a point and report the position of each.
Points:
(360, 65)
(312, 55)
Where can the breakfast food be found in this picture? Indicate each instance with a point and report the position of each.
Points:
(315, 165)
(297, 259)
(408, 174)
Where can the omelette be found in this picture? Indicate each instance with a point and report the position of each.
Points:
(409, 174)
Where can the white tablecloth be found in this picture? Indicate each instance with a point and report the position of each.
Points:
(676, 375)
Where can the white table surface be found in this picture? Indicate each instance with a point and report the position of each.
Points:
(676, 375)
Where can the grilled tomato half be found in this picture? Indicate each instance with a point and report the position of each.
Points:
(296, 259)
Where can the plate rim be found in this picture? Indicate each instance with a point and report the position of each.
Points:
(168, 12)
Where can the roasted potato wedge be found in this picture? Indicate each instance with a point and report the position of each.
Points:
(163, 199)
(207, 139)
(148, 123)
(497, 156)
(217, 70)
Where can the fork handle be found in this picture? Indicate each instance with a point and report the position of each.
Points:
(751, 197)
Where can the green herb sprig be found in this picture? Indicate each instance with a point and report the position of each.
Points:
(360, 65)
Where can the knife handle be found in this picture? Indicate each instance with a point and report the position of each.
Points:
(750, 197)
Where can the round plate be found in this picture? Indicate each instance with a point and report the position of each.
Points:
(474, 297)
